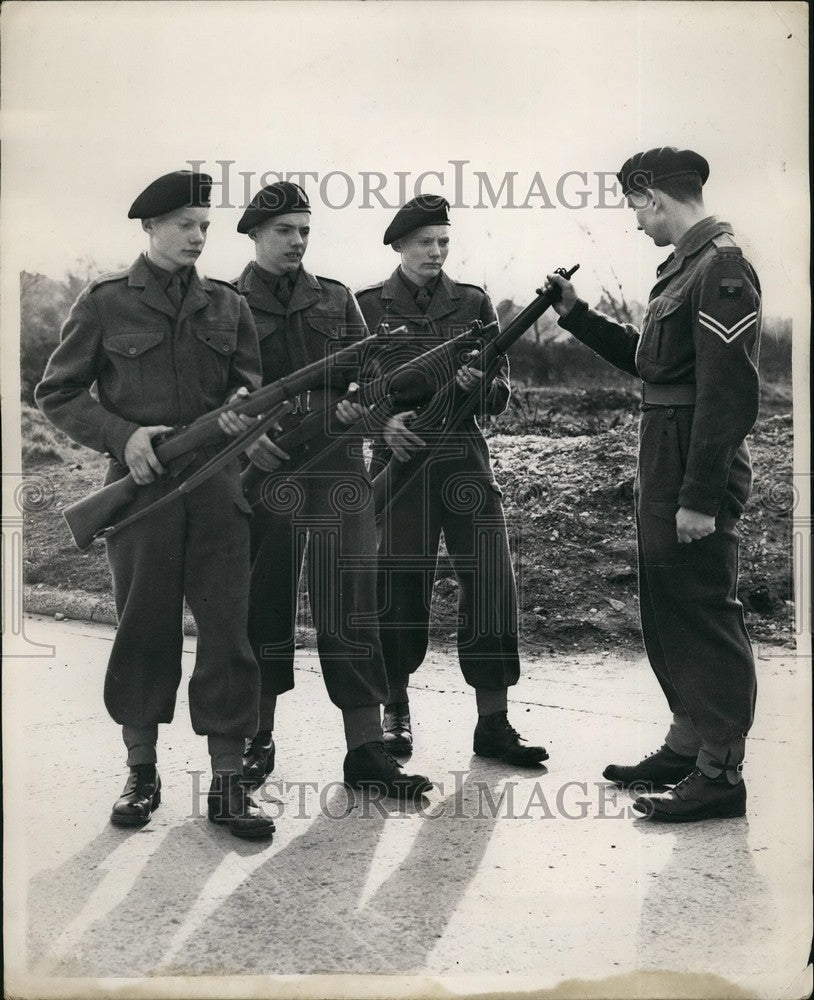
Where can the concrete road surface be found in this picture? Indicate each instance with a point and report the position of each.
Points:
(500, 881)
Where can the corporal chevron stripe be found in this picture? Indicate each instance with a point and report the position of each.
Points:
(727, 334)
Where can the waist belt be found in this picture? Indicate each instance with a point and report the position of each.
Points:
(668, 395)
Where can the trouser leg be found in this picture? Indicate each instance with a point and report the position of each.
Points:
(278, 537)
(681, 736)
(225, 684)
(342, 589)
(475, 534)
(408, 552)
(147, 565)
(700, 623)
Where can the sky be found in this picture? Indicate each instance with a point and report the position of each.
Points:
(100, 98)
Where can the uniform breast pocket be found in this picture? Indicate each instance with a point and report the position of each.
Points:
(327, 335)
(136, 358)
(265, 327)
(660, 343)
(215, 345)
(329, 327)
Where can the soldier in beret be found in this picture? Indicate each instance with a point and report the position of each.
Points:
(452, 490)
(319, 496)
(164, 345)
(697, 355)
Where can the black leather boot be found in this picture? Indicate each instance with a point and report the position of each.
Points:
(495, 737)
(140, 797)
(372, 766)
(229, 802)
(696, 797)
(258, 758)
(664, 767)
(396, 729)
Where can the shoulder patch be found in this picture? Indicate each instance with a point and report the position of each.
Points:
(730, 288)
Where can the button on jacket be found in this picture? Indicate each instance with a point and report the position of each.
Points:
(702, 326)
(151, 364)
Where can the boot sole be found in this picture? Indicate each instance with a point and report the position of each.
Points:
(366, 784)
(123, 820)
(254, 834)
(506, 759)
(722, 812)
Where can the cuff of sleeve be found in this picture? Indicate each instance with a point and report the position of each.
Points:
(116, 435)
(497, 400)
(572, 319)
(698, 496)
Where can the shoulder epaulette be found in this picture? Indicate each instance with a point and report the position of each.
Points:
(477, 288)
(107, 277)
(370, 288)
(330, 281)
(725, 242)
(223, 281)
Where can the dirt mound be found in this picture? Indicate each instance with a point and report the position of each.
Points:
(569, 510)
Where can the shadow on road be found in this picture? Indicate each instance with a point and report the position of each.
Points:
(306, 909)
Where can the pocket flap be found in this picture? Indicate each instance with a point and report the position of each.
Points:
(663, 306)
(220, 338)
(329, 326)
(265, 327)
(132, 343)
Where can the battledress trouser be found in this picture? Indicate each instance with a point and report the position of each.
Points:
(196, 547)
(466, 505)
(331, 511)
(692, 620)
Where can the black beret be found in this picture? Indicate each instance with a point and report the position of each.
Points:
(645, 170)
(425, 210)
(276, 199)
(180, 189)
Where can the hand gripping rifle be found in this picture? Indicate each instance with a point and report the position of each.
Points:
(100, 515)
(426, 381)
(416, 382)
(459, 404)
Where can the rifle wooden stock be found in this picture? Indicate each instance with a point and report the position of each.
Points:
(88, 517)
(95, 512)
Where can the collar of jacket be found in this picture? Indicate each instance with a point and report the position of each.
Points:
(141, 276)
(307, 290)
(398, 301)
(695, 239)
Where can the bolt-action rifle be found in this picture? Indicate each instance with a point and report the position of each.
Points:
(104, 512)
(450, 405)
